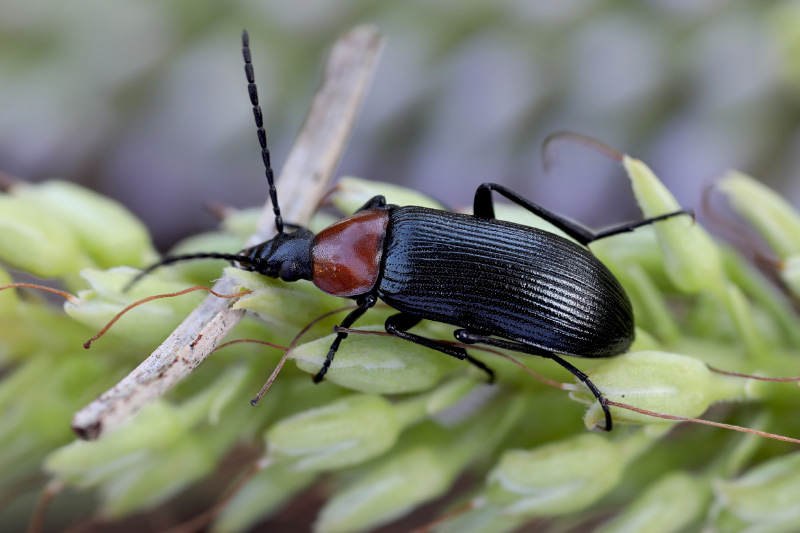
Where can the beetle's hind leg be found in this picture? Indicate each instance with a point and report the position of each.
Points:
(399, 324)
(483, 207)
(467, 337)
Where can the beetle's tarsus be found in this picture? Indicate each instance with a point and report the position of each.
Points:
(630, 226)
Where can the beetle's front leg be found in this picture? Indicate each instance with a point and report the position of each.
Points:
(367, 302)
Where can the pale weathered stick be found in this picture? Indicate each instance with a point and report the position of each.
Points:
(301, 184)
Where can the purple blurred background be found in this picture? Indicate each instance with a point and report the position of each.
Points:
(146, 102)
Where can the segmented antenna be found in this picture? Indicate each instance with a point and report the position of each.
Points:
(262, 135)
(239, 258)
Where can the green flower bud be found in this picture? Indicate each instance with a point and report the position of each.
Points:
(656, 381)
(283, 304)
(147, 323)
(638, 248)
(771, 215)
(263, 494)
(520, 215)
(289, 308)
(766, 496)
(650, 307)
(753, 283)
(352, 193)
(321, 220)
(419, 468)
(783, 26)
(342, 433)
(36, 240)
(644, 341)
(560, 477)
(300, 394)
(251, 280)
(106, 230)
(790, 273)
(87, 464)
(34, 424)
(485, 518)
(741, 312)
(691, 259)
(378, 365)
(451, 393)
(413, 473)
(242, 222)
(147, 450)
(154, 478)
(209, 403)
(671, 504)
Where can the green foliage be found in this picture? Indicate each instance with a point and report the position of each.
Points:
(395, 425)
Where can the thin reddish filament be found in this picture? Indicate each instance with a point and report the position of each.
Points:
(275, 372)
(605, 400)
(103, 331)
(50, 491)
(750, 376)
(461, 509)
(69, 297)
(578, 138)
(700, 421)
(254, 341)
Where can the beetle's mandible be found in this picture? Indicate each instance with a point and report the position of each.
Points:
(501, 284)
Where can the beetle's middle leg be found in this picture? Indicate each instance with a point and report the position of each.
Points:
(483, 207)
(467, 337)
(368, 301)
(399, 324)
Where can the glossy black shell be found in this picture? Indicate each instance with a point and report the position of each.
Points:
(499, 278)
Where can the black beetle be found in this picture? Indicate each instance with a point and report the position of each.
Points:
(502, 284)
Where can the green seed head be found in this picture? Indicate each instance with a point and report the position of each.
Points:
(766, 496)
(556, 478)
(352, 193)
(345, 432)
(775, 220)
(656, 381)
(691, 259)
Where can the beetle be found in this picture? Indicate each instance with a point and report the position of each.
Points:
(500, 283)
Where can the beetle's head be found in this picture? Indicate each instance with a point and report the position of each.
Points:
(286, 256)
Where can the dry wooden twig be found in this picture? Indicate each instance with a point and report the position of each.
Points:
(301, 183)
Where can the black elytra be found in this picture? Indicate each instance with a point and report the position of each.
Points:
(501, 284)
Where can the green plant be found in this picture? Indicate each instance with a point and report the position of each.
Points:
(395, 426)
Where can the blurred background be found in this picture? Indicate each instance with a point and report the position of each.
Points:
(146, 101)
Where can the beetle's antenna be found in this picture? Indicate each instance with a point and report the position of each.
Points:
(262, 134)
(188, 257)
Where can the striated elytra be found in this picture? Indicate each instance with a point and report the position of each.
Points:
(501, 284)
